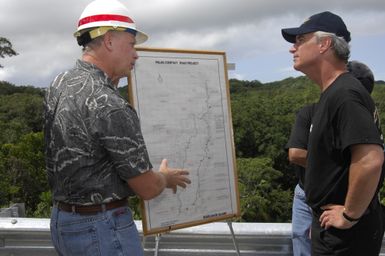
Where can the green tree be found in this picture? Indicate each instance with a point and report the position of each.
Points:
(262, 119)
(20, 113)
(22, 171)
(6, 49)
(8, 89)
(262, 197)
(44, 207)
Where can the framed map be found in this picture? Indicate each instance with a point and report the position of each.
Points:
(183, 102)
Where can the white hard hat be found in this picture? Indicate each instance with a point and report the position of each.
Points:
(102, 15)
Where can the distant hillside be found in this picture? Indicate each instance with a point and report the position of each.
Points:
(7, 88)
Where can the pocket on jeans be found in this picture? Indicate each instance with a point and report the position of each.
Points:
(82, 241)
(122, 218)
(126, 232)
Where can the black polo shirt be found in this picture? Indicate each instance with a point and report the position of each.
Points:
(346, 115)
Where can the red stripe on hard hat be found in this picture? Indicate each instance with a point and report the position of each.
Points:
(104, 17)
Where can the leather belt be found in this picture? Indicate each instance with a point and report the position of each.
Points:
(91, 209)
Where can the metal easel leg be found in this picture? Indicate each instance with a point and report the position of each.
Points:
(230, 224)
(144, 242)
(157, 240)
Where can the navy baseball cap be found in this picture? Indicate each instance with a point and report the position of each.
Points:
(324, 21)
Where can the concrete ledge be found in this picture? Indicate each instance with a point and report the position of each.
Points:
(29, 236)
(23, 236)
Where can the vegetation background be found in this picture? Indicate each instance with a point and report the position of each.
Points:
(262, 117)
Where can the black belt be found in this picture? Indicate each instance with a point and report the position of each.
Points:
(91, 209)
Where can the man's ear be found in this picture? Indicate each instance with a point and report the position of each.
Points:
(108, 40)
(325, 44)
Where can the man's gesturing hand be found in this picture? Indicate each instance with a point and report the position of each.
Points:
(174, 177)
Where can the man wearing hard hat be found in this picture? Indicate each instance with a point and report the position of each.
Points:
(95, 153)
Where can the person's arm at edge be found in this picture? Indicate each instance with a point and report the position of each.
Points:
(297, 156)
(364, 174)
(150, 184)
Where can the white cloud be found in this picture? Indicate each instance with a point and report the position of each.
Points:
(6, 73)
(248, 30)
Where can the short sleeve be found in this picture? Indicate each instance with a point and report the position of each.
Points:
(356, 125)
(300, 131)
(119, 133)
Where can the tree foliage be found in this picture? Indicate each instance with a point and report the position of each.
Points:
(262, 119)
(22, 172)
(6, 49)
(20, 113)
(262, 116)
(262, 198)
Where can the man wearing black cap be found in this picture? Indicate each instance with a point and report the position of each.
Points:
(345, 149)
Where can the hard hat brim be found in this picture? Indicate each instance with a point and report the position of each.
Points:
(140, 37)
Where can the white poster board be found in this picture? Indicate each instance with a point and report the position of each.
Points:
(182, 99)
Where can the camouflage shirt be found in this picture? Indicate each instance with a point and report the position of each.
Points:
(93, 140)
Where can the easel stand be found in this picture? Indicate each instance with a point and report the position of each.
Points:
(229, 223)
(157, 240)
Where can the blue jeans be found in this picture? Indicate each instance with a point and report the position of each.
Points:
(301, 224)
(111, 232)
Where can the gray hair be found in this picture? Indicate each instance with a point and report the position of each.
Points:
(97, 42)
(339, 44)
(93, 44)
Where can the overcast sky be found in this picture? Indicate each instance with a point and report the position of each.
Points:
(249, 31)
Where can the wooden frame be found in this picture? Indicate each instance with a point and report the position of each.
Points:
(183, 101)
